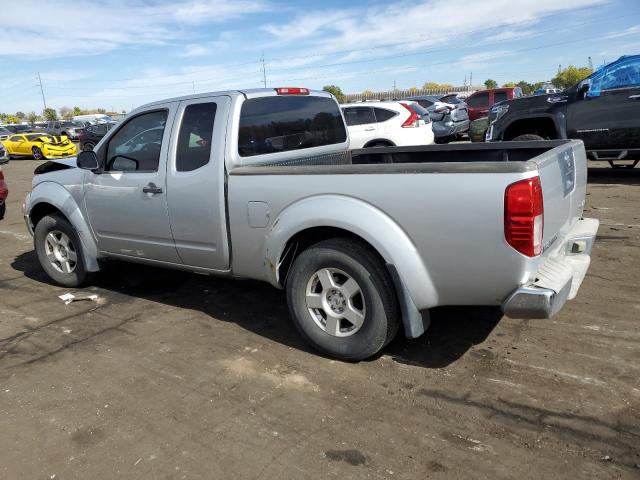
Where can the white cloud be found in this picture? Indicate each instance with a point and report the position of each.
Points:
(64, 28)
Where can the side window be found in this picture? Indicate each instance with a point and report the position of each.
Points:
(479, 100)
(136, 146)
(382, 114)
(425, 103)
(623, 74)
(16, 138)
(194, 139)
(499, 96)
(358, 116)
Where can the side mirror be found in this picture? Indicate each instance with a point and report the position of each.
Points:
(583, 88)
(87, 160)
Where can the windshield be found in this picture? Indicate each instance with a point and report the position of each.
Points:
(453, 99)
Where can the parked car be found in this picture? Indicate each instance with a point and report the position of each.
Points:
(89, 136)
(4, 190)
(377, 124)
(4, 134)
(479, 102)
(66, 128)
(478, 129)
(449, 120)
(19, 128)
(546, 91)
(603, 111)
(363, 241)
(39, 146)
(93, 118)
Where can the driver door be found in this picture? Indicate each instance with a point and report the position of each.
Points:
(126, 203)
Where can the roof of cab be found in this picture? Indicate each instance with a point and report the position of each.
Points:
(247, 93)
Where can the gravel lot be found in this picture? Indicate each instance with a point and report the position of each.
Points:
(175, 375)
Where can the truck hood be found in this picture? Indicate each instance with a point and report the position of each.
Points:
(534, 103)
(63, 171)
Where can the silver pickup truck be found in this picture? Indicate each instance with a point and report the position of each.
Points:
(260, 184)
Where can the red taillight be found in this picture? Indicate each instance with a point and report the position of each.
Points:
(292, 91)
(524, 216)
(413, 121)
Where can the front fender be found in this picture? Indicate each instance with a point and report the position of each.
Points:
(364, 220)
(56, 195)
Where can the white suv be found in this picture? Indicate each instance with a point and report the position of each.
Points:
(376, 124)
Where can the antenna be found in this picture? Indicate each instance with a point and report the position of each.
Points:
(264, 71)
(39, 84)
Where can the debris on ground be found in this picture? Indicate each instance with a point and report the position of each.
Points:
(67, 298)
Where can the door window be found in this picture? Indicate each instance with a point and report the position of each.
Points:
(382, 114)
(499, 96)
(136, 146)
(16, 138)
(194, 140)
(479, 100)
(625, 73)
(358, 116)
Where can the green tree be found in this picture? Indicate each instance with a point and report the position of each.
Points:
(77, 111)
(12, 119)
(570, 76)
(50, 114)
(509, 84)
(336, 91)
(436, 86)
(490, 83)
(66, 113)
(32, 117)
(20, 115)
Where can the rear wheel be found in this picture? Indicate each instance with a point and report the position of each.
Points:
(37, 153)
(342, 299)
(59, 251)
(527, 137)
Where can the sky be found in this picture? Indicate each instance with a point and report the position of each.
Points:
(119, 54)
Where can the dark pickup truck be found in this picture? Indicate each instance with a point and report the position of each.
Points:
(603, 111)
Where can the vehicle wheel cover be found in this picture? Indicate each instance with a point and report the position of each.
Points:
(335, 302)
(60, 252)
(37, 153)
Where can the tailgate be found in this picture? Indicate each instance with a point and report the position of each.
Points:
(563, 175)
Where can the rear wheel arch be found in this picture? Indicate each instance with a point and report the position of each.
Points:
(379, 142)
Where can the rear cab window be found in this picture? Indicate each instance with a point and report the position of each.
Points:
(285, 123)
(478, 100)
(499, 96)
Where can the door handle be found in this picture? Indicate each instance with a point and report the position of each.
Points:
(151, 188)
(369, 129)
(634, 97)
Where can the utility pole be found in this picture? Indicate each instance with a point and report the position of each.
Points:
(264, 71)
(193, 84)
(470, 80)
(465, 81)
(39, 84)
(590, 63)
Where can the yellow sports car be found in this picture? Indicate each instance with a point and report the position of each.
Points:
(39, 146)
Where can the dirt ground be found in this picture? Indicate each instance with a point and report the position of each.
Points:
(176, 375)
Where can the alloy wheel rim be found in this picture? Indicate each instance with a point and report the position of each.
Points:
(37, 154)
(335, 302)
(60, 251)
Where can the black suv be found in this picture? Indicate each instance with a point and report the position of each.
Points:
(603, 111)
(92, 134)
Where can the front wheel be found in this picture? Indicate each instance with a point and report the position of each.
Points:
(342, 299)
(37, 153)
(59, 251)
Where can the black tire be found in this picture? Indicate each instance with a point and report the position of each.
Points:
(56, 224)
(378, 300)
(442, 140)
(528, 137)
(37, 154)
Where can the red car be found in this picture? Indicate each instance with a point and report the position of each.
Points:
(481, 101)
(4, 192)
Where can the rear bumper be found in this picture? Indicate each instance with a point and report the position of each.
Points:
(447, 128)
(559, 277)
